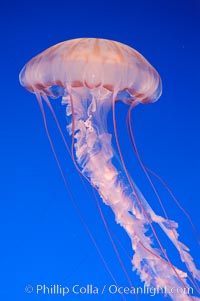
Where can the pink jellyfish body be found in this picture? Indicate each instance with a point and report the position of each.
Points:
(91, 75)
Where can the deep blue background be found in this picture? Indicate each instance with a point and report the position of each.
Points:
(42, 238)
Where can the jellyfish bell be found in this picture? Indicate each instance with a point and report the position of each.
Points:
(91, 75)
(93, 63)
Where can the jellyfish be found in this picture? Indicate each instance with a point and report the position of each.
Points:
(91, 75)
